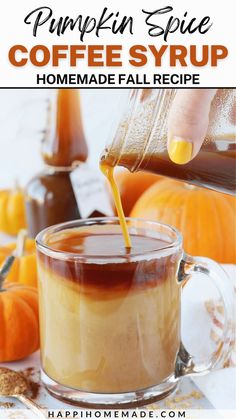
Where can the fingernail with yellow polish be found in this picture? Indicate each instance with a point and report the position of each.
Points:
(180, 151)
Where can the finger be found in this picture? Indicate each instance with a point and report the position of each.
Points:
(188, 123)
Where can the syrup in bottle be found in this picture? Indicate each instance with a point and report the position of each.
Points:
(50, 197)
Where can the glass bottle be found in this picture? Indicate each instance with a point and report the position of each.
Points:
(140, 141)
(49, 195)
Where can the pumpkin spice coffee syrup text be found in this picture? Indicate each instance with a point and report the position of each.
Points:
(115, 23)
(155, 25)
(112, 55)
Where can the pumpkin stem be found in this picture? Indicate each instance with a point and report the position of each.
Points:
(16, 185)
(20, 243)
(5, 268)
(18, 252)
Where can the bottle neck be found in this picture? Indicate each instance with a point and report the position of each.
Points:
(61, 169)
(64, 141)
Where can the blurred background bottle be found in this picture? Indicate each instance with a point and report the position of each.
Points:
(49, 195)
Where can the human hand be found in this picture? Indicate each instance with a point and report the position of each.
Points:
(188, 123)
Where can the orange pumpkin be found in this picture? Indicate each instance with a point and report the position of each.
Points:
(24, 268)
(132, 186)
(12, 211)
(19, 331)
(206, 219)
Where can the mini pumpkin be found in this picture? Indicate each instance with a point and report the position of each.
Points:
(19, 331)
(12, 211)
(24, 268)
(206, 219)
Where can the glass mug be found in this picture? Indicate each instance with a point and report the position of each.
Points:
(110, 324)
(139, 140)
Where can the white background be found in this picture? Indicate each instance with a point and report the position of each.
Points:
(13, 31)
(22, 119)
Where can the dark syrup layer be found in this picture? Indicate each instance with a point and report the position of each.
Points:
(112, 267)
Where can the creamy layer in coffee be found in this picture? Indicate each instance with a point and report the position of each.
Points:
(110, 316)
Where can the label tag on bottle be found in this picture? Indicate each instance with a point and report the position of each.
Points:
(90, 191)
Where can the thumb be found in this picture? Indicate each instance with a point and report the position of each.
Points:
(188, 123)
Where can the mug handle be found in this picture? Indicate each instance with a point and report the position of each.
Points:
(187, 364)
